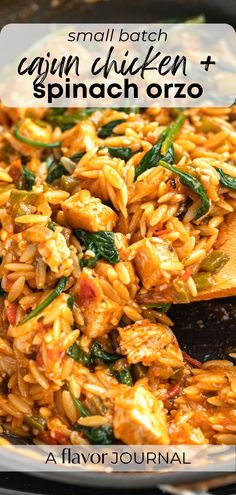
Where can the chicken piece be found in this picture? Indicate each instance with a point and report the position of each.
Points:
(83, 211)
(100, 313)
(150, 343)
(56, 254)
(81, 137)
(140, 418)
(32, 131)
(153, 257)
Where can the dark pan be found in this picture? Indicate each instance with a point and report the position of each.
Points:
(205, 330)
(115, 10)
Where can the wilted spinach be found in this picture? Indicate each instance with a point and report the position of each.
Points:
(97, 436)
(120, 152)
(122, 374)
(78, 354)
(196, 186)
(55, 171)
(98, 352)
(102, 244)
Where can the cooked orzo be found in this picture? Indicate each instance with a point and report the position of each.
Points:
(107, 217)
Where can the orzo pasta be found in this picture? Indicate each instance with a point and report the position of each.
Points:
(100, 231)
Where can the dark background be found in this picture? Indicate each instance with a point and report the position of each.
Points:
(114, 10)
(205, 330)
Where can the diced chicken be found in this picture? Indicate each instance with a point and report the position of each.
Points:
(140, 418)
(100, 313)
(55, 253)
(8, 114)
(81, 137)
(150, 343)
(153, 260)
(83, 211)
(184, 428)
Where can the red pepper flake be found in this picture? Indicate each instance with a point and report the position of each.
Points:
(60, 438)
(175, 390)
(151, 139)
(11, 313)
(194, 362)
(158, 233)
(47, 438)
(39, 359)
(88, 291)
(186, 275)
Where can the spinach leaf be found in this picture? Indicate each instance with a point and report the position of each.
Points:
(123, 153)
(58, 289)
(98, 352)
(76, 157)
(194, 184)
(28, 177)
(58, 117)
(70, 302)
(153, 156)
(78, 354)
(55, 171)
(101, 243)
(51, 225)
(107, 129)
(123, 376)
(97, 436)
(162, 150)
(173, 129)
(32, 142)
(226, 180)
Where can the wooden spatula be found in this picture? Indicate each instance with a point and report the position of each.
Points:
(224, 280)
